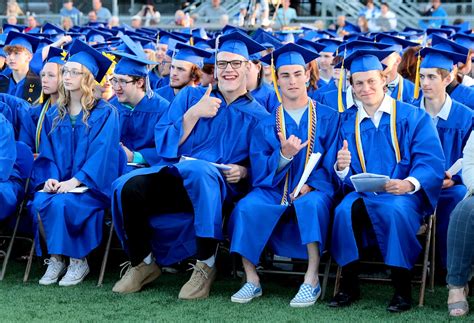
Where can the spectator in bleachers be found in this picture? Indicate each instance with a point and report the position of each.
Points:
(68, 10)
(92, 16)
(33, 25)
(213, 12)
(136, 22)
(13, 9)
(114, 22)
(461, 239)
(286, 15)
(387, 19)
(12, 20)
(363, 24)
(66, 23)
(103, 14)
(370, 12)
(436, 11)
(150, 16)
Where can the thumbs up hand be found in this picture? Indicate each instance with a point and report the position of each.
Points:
(343, 157)
(291, 146)
(208, 106)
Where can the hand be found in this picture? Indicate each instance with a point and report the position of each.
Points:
(399, 187)
(291, 146)
(343, 157)
(448, 180)
(51, 185)
(304, 190)
(64, 187)
(128, 152)
(208, 106)
(235, 174)
(64, 40)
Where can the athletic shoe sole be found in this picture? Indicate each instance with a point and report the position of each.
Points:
(74, 282)
(234, 299)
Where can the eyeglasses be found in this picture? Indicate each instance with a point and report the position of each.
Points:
(114, 81)
(72, 73)
(235, 64)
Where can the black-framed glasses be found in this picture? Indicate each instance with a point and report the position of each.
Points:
(72, 73)
(235, 64)
(123, 83)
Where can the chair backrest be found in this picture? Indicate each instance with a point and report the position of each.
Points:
(24, 159)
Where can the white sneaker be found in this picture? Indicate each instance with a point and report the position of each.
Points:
(56, 269)
(76, 272)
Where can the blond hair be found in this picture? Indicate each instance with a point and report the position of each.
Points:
(88, 101)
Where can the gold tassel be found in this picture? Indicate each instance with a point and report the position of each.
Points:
(340, 105)
(274, 79)
(111, 69)
(417, 78)
(41, 98)
(191, 41)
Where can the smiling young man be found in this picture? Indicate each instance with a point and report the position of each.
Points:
(185, 70)
(392, 138)
(21, 81)
(212, 125)
(453, 121)
(279, 152)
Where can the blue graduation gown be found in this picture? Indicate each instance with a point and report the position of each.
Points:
(316, 95)
(408, 91)
(329, 98)
(17, 112)
(212, 139)
(73, 222)
(464, 95)
(11, 190)
(266, 96)
(166, 92)
(257, 219)
(157, 82)
(453, 134)
(137, 125)
(395, 218)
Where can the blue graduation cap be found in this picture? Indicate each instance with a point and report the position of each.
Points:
(51, 29)
(56, 55)
(25, 40)
(412, 35)
(318, 34)
(2, 53)
(351, 28)
(191, 54)
(310, 45)
(8, 27)
(448, 45)
(203, 44)
(239, 43)
(329, 45)
(132, 65)
(361, 45)
(397, 44)
(146, 43)
(96, 24)
(266, 39)
(200, 32)
(228, 29)
(446, 33)
(130, 47)
(362, 60)
(97, 36)
(413, 30)
(286, 36)
(464, 40)
(93, 60)
(164, 37)
(436, 58)
(290, 54)
(357, 36)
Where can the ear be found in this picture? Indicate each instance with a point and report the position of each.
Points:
(307, 74)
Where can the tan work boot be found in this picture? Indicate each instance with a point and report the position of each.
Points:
(199, 285)
(136, 277)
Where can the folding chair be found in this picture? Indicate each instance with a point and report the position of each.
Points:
(25, 161)
(427, 231)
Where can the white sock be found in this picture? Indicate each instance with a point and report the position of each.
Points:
(210, 261)
(148, 259)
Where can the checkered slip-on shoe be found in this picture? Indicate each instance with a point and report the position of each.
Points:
(248, 292)
(306, 296)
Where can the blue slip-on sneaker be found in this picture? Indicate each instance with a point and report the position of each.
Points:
(245, 294)
(306, 296)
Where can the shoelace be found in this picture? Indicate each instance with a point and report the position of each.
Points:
(126, 266)
(198, 270)
(53, 267)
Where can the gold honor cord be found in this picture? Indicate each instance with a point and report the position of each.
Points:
(417, 77)
(274, 79)
(340, 105)
(393, 132)
(39, 127)
(280, 126)
(400, 88)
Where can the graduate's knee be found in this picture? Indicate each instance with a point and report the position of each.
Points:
(133, 187)
(197, 170)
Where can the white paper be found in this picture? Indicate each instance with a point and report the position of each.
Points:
(77, 190)
(456, 167)
(313, 160)
(136, 165)
(367, 182)
(219, 166)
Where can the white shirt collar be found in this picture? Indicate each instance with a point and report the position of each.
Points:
(395, 81)
(445, 109)
(386, 107)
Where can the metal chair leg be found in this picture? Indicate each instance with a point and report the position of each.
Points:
(106, 256)
(338, 280)
(421, 299)
(10, 247)
(30, 260)
(433, 254)
(327, 268)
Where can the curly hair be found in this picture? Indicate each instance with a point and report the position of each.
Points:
(313, 75)
(88, 101)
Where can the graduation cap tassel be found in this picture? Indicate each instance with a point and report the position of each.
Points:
(148, 91)
(274, 80)
(417, 77)
(340, 105)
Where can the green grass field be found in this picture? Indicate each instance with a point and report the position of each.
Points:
(159, 302)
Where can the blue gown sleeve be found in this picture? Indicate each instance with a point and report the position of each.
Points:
(7, 149)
